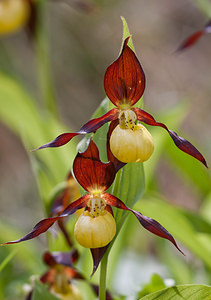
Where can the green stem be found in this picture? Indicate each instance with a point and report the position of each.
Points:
(43, 63)
(103, 272)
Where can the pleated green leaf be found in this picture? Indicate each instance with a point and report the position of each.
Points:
(187, 292)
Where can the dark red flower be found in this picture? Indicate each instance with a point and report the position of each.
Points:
(96, 177)
(124, 84)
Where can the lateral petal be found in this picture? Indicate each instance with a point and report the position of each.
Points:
(148, 223)
(45, 224)
(91, 126)
(180, 142)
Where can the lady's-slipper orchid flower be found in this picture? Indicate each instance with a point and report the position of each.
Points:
(60, 274)
(96, 230)
(124, 84)
(193, 38)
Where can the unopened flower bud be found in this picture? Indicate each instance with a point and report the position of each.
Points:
(13, 15)
(131, 145)
(95, 232)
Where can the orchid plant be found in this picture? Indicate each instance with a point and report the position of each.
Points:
(127, 141)
(60, 273)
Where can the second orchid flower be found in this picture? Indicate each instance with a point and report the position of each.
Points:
(96, 227)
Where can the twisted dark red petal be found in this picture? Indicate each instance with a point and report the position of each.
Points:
(191, 40)
(148, 223)
(91, 126)
(180, 142)
(90, 172)
(124, 79)
(45, 224)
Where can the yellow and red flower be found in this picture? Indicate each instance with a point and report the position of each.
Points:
(99, 229)
(124, 84)
(60, 273)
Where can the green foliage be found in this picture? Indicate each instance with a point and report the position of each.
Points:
(34, 126)
(154, 285)
(7, 259)
(40, 292)
(188, 292)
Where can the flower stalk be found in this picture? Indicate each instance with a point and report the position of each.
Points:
(103, 273)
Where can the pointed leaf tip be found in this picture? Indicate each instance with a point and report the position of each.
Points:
(126, 33)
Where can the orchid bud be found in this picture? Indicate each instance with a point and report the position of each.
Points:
(95, 232)
(131, 145)
(13, 15)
